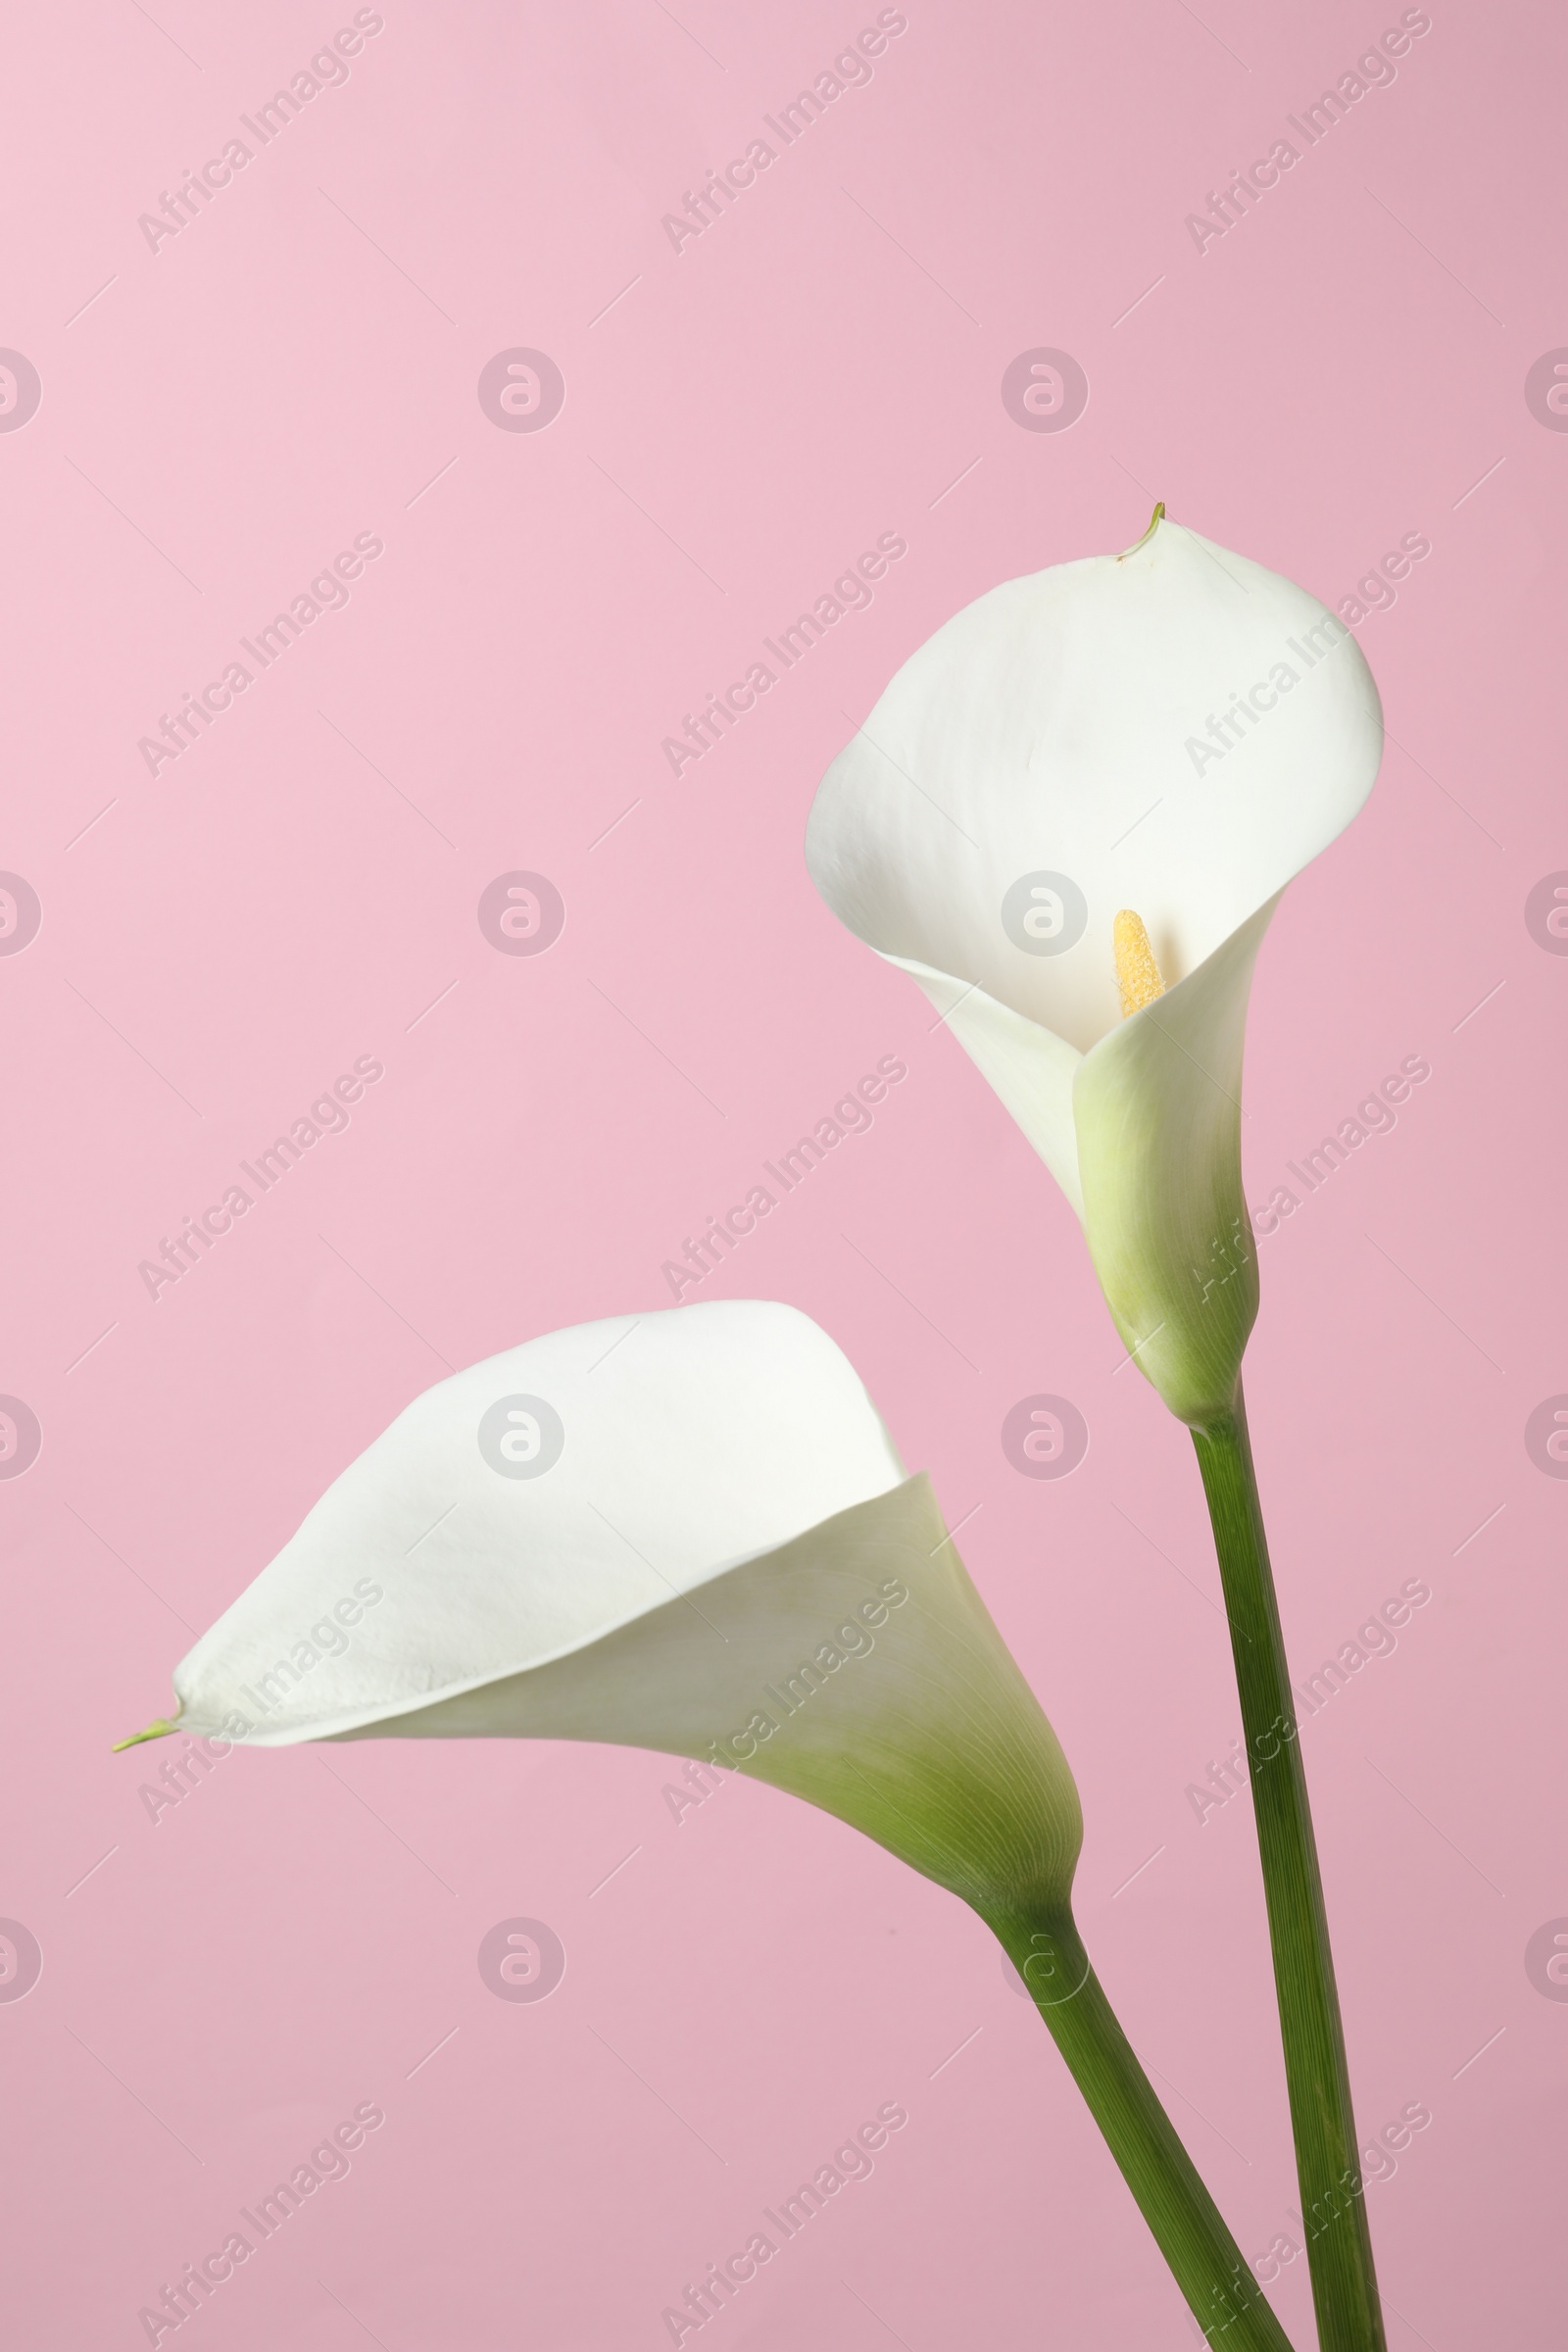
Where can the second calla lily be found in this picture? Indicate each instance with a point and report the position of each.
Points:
(686, 1531)
(1069, 817)
(689, 1530)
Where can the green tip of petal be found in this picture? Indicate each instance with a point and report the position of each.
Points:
(158, 1729)
(1154, 522)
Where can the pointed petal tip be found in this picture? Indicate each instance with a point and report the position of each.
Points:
(1154, 522)
(158, 1729)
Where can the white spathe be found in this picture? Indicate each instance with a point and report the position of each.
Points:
(689, 1531)
(1175, 730)
(690, 1441)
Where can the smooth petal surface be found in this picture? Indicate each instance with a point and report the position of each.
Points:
(700, 1540)
(856, 1667)
(1175, 731)
(672, 1446)
(1158, 1105)
(1059, 727)
(1030, 1069)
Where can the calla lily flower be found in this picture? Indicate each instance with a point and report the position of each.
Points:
(689, 1532)
(1070, 817)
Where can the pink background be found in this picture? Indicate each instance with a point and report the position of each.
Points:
(222, 1984)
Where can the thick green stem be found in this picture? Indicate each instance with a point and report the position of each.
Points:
(1225, 2298)
(1344, 2290)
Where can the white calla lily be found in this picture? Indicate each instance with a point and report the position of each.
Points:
(690, 1532)
(1171, 733)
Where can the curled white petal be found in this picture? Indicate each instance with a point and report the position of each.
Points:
(688, 1531)
(1176, 731)
(1061, 725)
(1158, 1109)
(856, 1667)
(1030, 1069)
(500, 1535)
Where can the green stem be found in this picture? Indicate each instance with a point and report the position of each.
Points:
(1208, 2267)
(1344, 2292)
